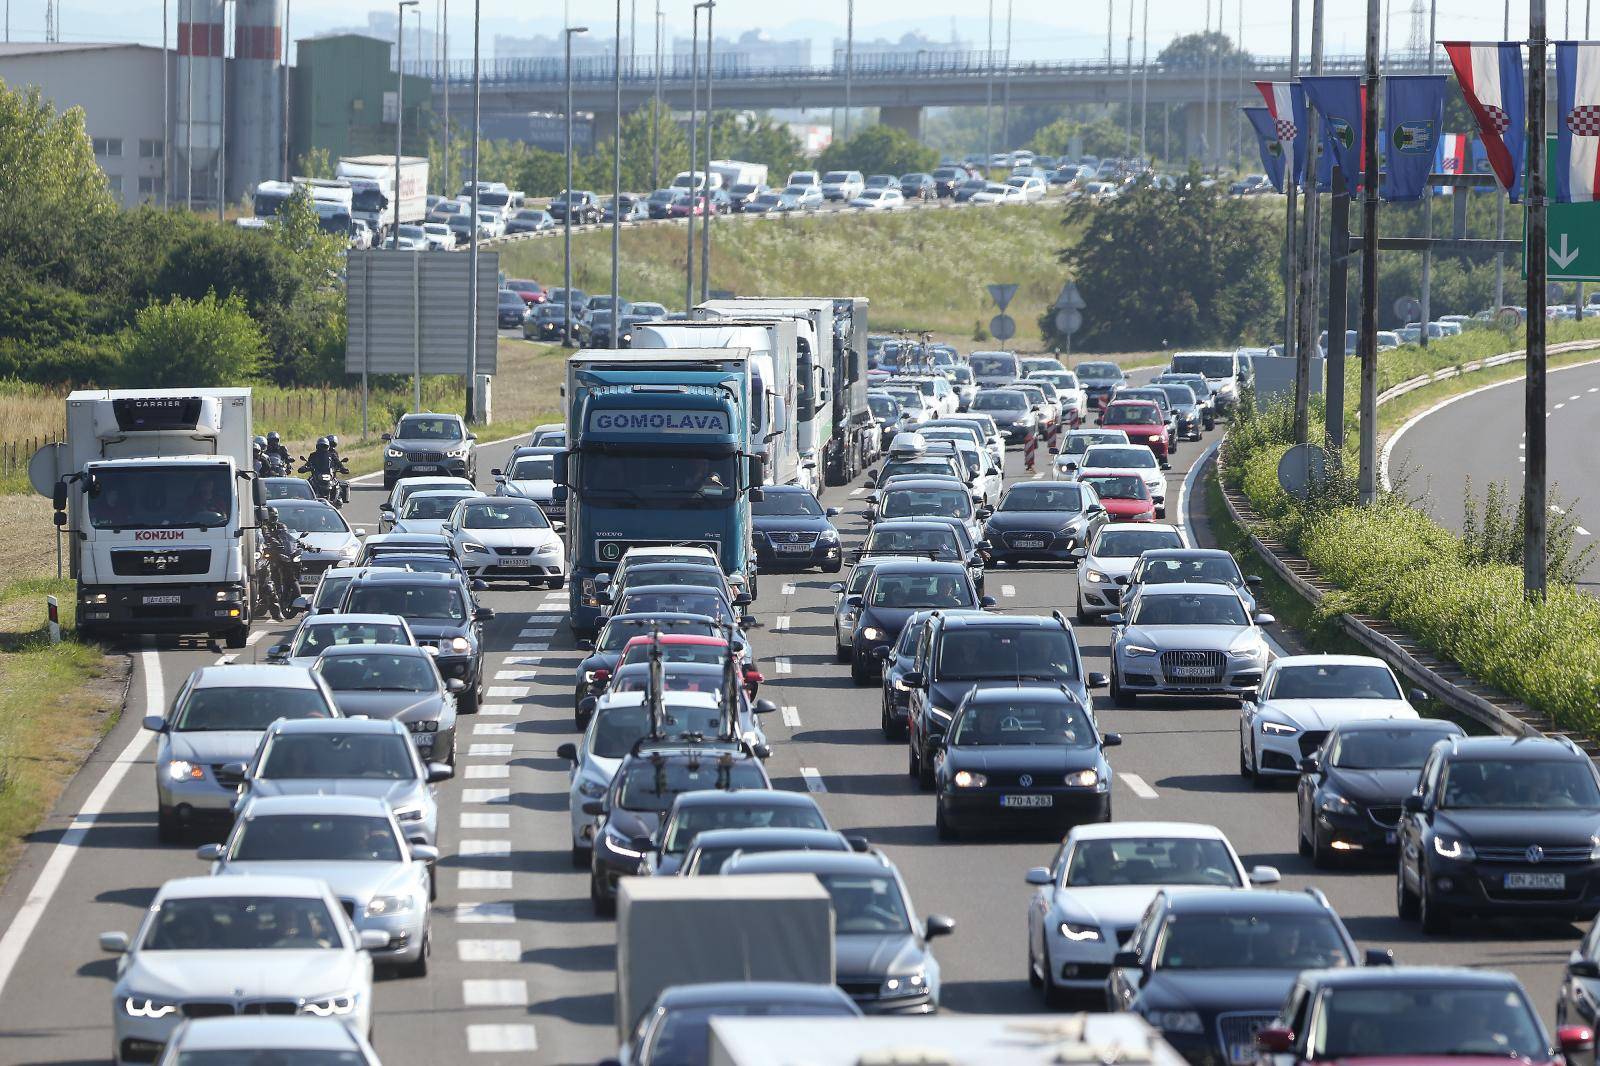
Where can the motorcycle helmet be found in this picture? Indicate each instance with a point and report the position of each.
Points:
(333, 440)
(322, 444)
(273, 439)
(259, 442)
(272, 515)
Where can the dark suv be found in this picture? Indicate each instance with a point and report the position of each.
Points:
(440, 612)
(960, 652)
(1500, 825)
(895, 592)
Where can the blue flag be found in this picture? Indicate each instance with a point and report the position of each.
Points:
(1412, 115)
(1267, 140)
(1337, 99)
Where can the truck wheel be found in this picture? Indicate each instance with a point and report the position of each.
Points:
(237, 637)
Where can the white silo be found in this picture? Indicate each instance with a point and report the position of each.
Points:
(198, 136)
(255, 99)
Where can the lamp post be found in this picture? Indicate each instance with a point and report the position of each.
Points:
(849, 59)
(222, 153)
(566, 216)
(166, 104)
(655, 117)
(694, 146)
(400, 113)
(616, 186)
(471, 406)
(444, 74)
(705, 219)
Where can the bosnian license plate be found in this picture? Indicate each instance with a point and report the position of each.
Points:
(162, 599)
(1027, 801)
(1242, 1054)
(1033, 543)
(424, 467)
(1537, 881)
(1192, 671)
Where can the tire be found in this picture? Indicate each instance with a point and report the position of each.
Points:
(420, 967)
(1119, 697)
(924, 772)
(1305, 849)
(581, 858)
(1245, 770)
(1322, 857)
(941, 826)
(913, 764)
(1054, 998)
(833, 568)
(1405, 901)
(1034, 980)
(168, 829)
(1435, 919)
(841, 654)
(1081, 615)
(237, 637)
(467, 702)
(556, 584)
(1257, 778)
(859, 673)
(604, 906)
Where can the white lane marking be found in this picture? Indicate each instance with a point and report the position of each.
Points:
(501, 710)
(523, 660)
(501, 1039)
(535, 634)
(475, 820)
(226, 659)
(508, 692)
(789, 589)
(486, 795)
(536, 614)
(513, 675)
(483, 880)
(499, 913)
(55, 867)
(487, 773)
(1523, 445)
(858, 492)
(494, 729)
(1008, 591)
(791, 716)
(1137, 786)
(1580, 531)
(255, 636)
(489, 950)
(1595, 388)
(489, 751)
(531, 646)
(781, 664)
(780, 624)
(478, 992)
(1571, 398)
(813, 779)
(484, 849)
(1186, 488)
(1559, 406)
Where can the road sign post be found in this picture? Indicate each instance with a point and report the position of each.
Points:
(1002, 327)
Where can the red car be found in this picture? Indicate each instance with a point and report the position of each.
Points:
(685, 205)
(530, 291)
(1142, 421)
(1124, 495)
(687, 648)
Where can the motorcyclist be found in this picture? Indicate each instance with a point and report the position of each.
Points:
(281, 546)
(275, 449)
(258, 455)
(343, 486)
(324, 460)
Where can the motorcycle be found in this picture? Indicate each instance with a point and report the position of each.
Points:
(327, 487)
(275, 582)
(273, 465)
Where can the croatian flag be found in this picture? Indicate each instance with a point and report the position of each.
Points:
(1280, 100)
(1577, 121)
(1451, 159)
(1491, 80)
(1267, 140)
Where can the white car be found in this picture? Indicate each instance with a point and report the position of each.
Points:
(274, 1039)
(1302, 697)
(843, 185)
(507, 537)
(1075, 442)
(255, 944)
(987, 482)
(879, 200)
(1127, 458)
(1110, 555)
(937, 395)
(912, 401)
(318, 632)
(388, 509)
(1031, 189)
(1092, 895)
(439, 237)
(531, 475)
(427, 510)
(1068, 389)
(995, 193)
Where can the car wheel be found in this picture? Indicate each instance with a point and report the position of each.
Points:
(941, 824)
(467, 702)
(859, 673)
(1245, 770)
(604, 905)
(1257, 778)
(1322, 856)
(1055, 997)
(924, 772)
(168, 829)
(1405, 901)
(581, 857)
(1119, 696)
(913, 764)
(1082, 615)
(841, 653)
(1301, 844)
(833, 568)
(419, 968)
(884, 721)
(237, 637)
(1435, 919)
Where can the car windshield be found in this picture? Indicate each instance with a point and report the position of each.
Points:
(1179, 394)
(408, 601)
(619, 631)
(912, 541)
(1133, 414)
(992, 365)
(378, 672)
(960, 375)
(1078, 443)
(683, 1037)
(986, 652)
(944, 464)
(223, 708)
(710, 604)
(1152, 861)
(1119, 487)
(1251, 942)
(1536, 784)
(920, 591)
(315, 838)
(417, 427)
(331, 591)
(1211, 366)
(160, 498)
(668, 574)
(534, 468)
(749, 815)
(315, 636)
(1200, 609)
(863, 903)
(242, 923)
(910, 503)
(1043, 498)
(428, 507)
(1099, 371)
(1397, 748)
(271, 1057)
(1334, 681)
(664, 479)
(287, 489)
(1211, 569)
(1125, 457)
(1426, 1022)
(1023, 722)
(617, 729)
(503, 514)
(307, 756)
(311, 518)
(652, 787)
(787, 503)
(510, 299)
(1130, 543)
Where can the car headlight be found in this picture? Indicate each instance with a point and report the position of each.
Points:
(179, 770)
(873, 633)
(351, 549)
(548, 549)
(1138, 649)
(137, 1006)
(1176, 1021)
(829, 536)
(330, 1006)
(939, 714)
(1447, 847)
(1333, 803)
(1084, 778)
(473, 546)
(912, 984)
(1279, 729)
(460, 645)
(967, 779)
(380, 905)
(412, 813)
(1155, 436)
(1079, 933)
(590, 788)
(1097, 577)
(1594, 848)
(618, 843)
(393, 453)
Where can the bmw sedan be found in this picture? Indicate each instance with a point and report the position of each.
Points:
(1192, 640)
(1302, 697)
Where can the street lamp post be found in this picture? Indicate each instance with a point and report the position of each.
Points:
(695, 187)
(616, 187)
(566, 216)
(471, 406)
(705, 219)
(400, 111)
(222, 152)
(849, 59)
(655, 117)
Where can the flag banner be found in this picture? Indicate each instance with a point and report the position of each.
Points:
(1291, 133)
(1267, 140)
(1451, 158)
(1492, 81)
(1577, 121)
(1339, 100)
(1303, 148)
(1413, 111)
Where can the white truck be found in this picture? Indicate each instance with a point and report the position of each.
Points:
(692, 930)
(689, 180)
(737, 172)
(157, 493)
(373, 179)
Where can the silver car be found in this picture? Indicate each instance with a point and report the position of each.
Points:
(215, 724)
(1110, 557)
(1302, 698)
(319, 632)
(429, 443)
(277, 1039)
(844, 616)
(354, 844)
(388, 509)
(326, 539)
(246, 945)
(530, 473)
(1187, 639)
(349, 757)
(398, 682)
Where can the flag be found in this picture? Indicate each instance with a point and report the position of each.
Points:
(1303, 148)
(1267, 140)
(1290, 133)
(1413, 111)
(1577, 121)
(1451, 158)
(1340, 100)
(1491, 80)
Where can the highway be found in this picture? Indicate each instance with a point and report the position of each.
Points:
(1479, 435)
(522, 970)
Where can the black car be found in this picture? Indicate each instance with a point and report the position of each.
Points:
(1502, 826)
(659, 203)
(896, 591)
(1012, 411)
(890, 415)
(965, 652)
(1021, 755)
(740, 196)
(1043, 520)
(918, 187)
(634, 208)
(651, 777)
(1352, 786)
(440, 613)
(711, 848)
(966, 190)
(1210, 969)
(1578, 1002)
(711, 808)
(1191, 419)
(931, 537)
(605, 651)
(1099, 381)
(530, 220)
(548, 322)
(582, 206)
(899, 662)
(793, 531)
(511, 309)
(947, 179)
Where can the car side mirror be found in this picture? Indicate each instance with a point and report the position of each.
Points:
(988, 602)
(479, 585)
(939, 925)
(832, 512)
(1417, 695)
(913, 679)
(1310, 765)
(423, 852)
(1275, 1041)
(569, 752)
(594, 808)
(1264, 619)
(497, 472)
(583, 644)
(208, 852)
(483, 614)
(763, 706)
(854, 601)
(155, 723)
(743, 600)
(373, 939)
(116, 943)
(1575, 1039)
(235, 769)
(1115, 618)
(1098, 680)
(1252, 580)
(882, 652)
(438, 771)
(1578, 966)
(836, 588)
(1111, 740)
(1265, 875)
(1122, 579)
(1379, 957)
(1039, 875)
(455, 684)
(587, 705)
(1127, 960)
(1412, 804)
(387, 437)
(385, 510)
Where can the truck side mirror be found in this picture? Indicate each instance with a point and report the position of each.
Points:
(59, 496)
(757, 471)
(558, 470)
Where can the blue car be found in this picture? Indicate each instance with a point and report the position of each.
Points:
(794, 532)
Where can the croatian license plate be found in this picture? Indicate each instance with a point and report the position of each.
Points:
(1035, 543)
(514, 562)
(1537, 881)
(1027, 801)
(1192, 671)
(163, 599)
(425, 467)
(1242, 1054)
(792, 549)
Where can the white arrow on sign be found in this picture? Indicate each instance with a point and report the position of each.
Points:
(1564, 257)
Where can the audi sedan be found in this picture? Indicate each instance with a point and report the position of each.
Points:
(1191, 640)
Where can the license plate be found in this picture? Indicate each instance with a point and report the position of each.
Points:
(1027, 801)
(425, 467)
(792, 549)
(423, 740)
(1391, 836)
(1192, 671)
(513, 562)
(1029, 543)
(153, 599)
(1242, 1054)
(1537, 881)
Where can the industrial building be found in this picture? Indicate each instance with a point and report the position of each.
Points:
(342, 99)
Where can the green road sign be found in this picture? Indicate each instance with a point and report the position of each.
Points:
(1574, 233)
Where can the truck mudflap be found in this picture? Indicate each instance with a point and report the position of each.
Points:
(134, 610)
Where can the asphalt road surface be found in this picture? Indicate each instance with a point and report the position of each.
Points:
(522, 970)
(1480, 436)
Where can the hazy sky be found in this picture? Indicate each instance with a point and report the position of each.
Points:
(1042, 29)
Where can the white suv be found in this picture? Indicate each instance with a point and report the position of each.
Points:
(843, 185)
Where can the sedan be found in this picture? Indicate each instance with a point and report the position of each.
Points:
(325, 537)
(1074, 442)
(994, 193)
(1190, 565)
(506, 537)
(530, 220)
(354, 844)
(711, 849)
(429, 510)
(319, 632)
(1128, 458)
(1143, 422)
(895, 591)
(403, 488)
(767, 203)
(680, 1017)
(398, 683)
(1123, 494)
(242, 1039)
(530, 475)
(1197, 640)
(803, 197)
(794, 531)
(918, 186)
(715, 809)
(1043, 520)
(878, 200)
(287, 488)
(1112, 553)
(278, 944)
(510, 309)
(1302, 697)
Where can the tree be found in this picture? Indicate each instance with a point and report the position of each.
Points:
(1193, 50)
(757, 139)
(317, 163)
(879, 150)
(193, 343)
(1100, 136)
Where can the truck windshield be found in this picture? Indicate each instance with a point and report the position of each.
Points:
(368, 198)
(155, 497)
(687, 478)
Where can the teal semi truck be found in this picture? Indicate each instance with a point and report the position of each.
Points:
(658, 453)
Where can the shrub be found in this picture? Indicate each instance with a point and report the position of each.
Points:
(206, 342)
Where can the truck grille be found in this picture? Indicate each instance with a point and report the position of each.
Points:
(1173, 662)
(160, 562)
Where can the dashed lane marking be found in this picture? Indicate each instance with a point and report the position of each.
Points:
(813, 779)
(790, 589)
(489, 751)
(508, 692)
(489, 950)
(487, 913)
(1558, 407)
(782, 665)
(488, 773)
(483, 880)
(780, 624)
(486, 795)
(494, 729)
(501, 1039)
(484, 849)
(791, 716)
(501, 710)
(523, 660)
(480, 992)
(1137, 786)
(1580, 531)
(531, 646)
(1008, 591)
(513, 675)
(479, 820)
